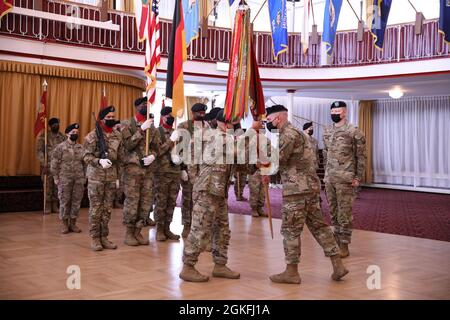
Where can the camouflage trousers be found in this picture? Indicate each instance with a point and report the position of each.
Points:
(298, 210)
(167, 187)
(138, 188)
(52, 188)
(187, 202)
(257, 194)
(209, 223)
(101, 197)
(240, 179)
(70, 193)
(340, 198)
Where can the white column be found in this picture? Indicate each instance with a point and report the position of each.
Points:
(290, 104)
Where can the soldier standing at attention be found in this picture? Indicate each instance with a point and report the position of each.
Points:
(196, 128)
(138, 172)
(68, 169)
(167, 177)
(301, 192)
(240, 178)
(54, 137)
(210, 212)
(102, 152)
(344, 159)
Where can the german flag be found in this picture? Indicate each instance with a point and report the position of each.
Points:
(177, 55)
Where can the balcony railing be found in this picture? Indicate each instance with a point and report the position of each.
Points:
(401, 42)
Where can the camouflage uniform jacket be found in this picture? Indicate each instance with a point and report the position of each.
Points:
(67, 161)
(297, 162)
(344, 153)
(196, 145)
(52, 141)
(164, 161)
(91, 156)
(134, 139)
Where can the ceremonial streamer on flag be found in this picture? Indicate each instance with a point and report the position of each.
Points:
(148, 26)
(278, 23)
(177, 56)
(191, 19)
(378, 21)
(444, 20)
(5, 7)
(41, 118)
(330, 22)
(244, 88)
(305, 25)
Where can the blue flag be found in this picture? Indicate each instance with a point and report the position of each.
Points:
(444, 20)
(330, 22)
(191, 20)
(380, 15)
(278, 23)
(230, 2)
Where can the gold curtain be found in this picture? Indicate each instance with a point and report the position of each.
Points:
(365, 125)
(128, 5)
(73, 94)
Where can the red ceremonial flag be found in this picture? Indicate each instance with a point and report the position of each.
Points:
(177, 56)
(5, 7)
(257, 105)
(41, 118)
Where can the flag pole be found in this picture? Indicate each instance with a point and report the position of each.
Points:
(44, 85)
(215, 6)
(269, 207)
(260, 8)
(147, 132)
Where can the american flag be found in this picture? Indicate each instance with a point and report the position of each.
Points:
(152, 51)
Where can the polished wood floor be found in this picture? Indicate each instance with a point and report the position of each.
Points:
(34, 258)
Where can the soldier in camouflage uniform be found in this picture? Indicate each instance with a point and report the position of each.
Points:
(301, 192)
(54, 137)
(68, 171)
(344, 159)
(102, 176)
(167, 177)
(119, 195)
(210, 212)
(196, 128)
(308, 130)
(138, 172)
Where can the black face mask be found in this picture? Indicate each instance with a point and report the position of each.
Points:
(110, 123)
(236, 126)
(170, 120)
(270, 126)
(311, 132)
(73, 137)
(199, 118)
(143, 111)
(55, 129)
(336, 117)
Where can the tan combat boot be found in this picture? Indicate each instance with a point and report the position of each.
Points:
(255, 213)
(160, 235)
(169, 234)
(55, 207)
(290, 275)
(261, 212)
(344, 250)
(222, 271)
(65, 226)
(96, 245)
(130, 239)
(339, 271)
(140, 239)
(189, 273)
(186, 230)
(107, 244)
(73, 227)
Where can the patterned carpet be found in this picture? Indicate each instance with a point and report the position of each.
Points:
(415, 214)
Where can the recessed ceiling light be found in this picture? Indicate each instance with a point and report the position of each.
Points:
(396, 93)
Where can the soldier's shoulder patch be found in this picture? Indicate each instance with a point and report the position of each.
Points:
(183, 125)
(90, 137)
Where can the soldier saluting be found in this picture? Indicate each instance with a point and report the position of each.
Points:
(102, 151)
